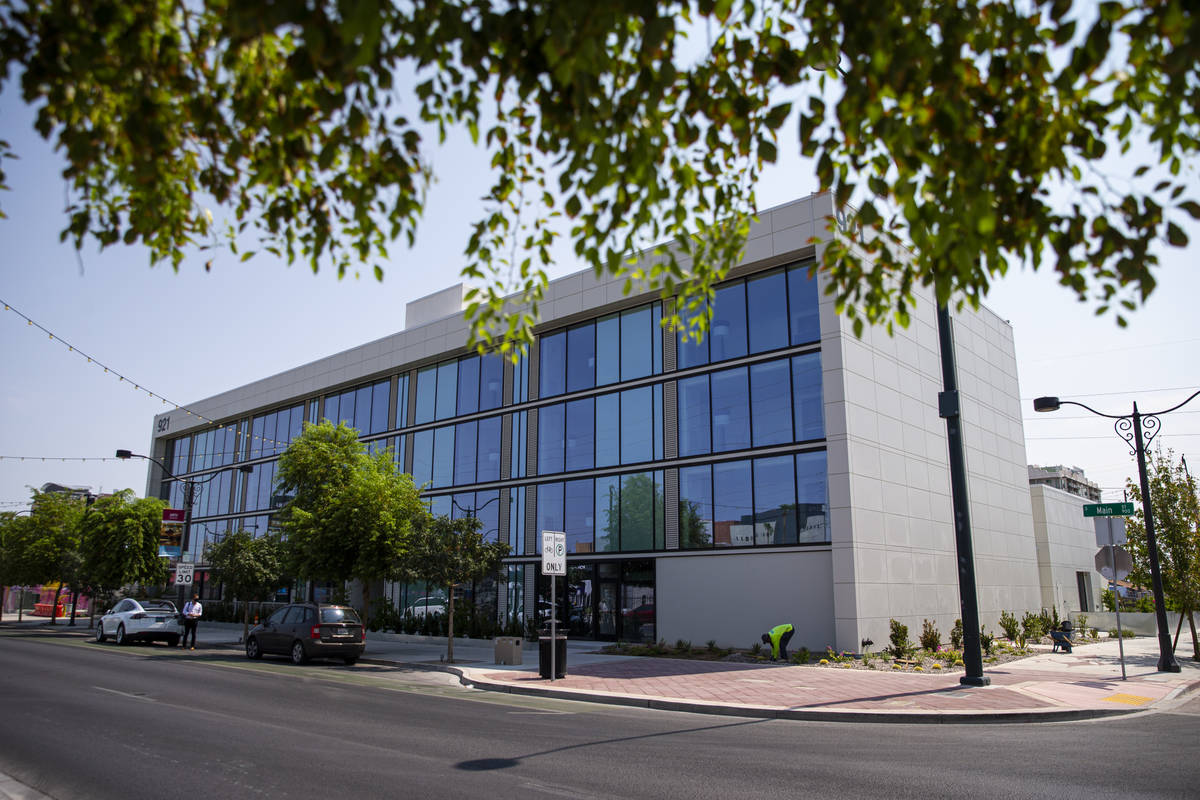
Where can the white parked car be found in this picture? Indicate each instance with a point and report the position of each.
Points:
(140, 620)
(427, 605)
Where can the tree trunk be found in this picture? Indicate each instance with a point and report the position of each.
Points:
(366, 605)
(1195, 644)
(74, 603)
(54, 605)
(450, 630)
(245, 621)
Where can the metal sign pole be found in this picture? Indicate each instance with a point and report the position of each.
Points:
(553, 627)
(1112, 557)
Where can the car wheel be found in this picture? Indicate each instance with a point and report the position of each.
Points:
(121, 634)
(172, 641)
(100, 637)
(351, 660)
(298, 654)
(252, 649)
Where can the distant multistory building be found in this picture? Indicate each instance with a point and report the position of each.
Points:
(1068, 479)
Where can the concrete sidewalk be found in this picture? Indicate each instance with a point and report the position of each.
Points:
(1045, 687)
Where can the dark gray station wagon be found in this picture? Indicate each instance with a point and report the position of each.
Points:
(309, 630)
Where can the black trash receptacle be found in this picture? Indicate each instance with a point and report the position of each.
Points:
(560, 656)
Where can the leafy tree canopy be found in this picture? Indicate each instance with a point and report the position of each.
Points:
(351, 515)
(304, 125)
(119, 542)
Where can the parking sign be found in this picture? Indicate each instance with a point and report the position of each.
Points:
(554, 553)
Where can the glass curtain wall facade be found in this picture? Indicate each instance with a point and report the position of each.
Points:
(632, 440)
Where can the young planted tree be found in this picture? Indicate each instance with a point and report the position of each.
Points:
(118, 543)
(307, 126)
(351, 514)
(47, 541)
(250, 568)
(1176, 512)
(447, 552)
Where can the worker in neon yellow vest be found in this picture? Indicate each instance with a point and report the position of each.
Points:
(778, 637)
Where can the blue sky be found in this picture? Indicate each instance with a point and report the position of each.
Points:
(192, 334)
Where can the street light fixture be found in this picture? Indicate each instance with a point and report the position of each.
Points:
(1137, 430)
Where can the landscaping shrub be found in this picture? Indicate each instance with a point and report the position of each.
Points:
(1031, 628)
(899, 636)
(956, 635)
(1010, 626)
(986, 640)
(801, 656)
(931, 637)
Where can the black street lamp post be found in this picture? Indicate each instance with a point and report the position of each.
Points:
(1137, 430)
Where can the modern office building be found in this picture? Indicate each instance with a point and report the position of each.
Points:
(781, 471)
(1066, 548)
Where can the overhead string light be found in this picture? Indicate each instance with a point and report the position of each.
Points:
(60, 458)
(121, 379)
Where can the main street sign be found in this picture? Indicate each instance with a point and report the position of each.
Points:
(554, 553)
(1108, 510)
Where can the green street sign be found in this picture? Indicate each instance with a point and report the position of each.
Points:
(1108, 510)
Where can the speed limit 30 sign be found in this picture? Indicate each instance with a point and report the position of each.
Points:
(185, 574)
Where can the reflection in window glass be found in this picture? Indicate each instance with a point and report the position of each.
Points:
(580, 434)
(806, 397)
(447, 383)
(491, 382)
(422, 470)
(695, 508)
(636, 350)
(771, 407)
(608, 350)
(487, 511)
(730, 410)
(520, 384)
(550, 439)
(578, 511)
(464, 452)
(402, 401)
(516, 520)
(552, 366)
(426, 395)
(520, 422)
(608, 514)
(728, 333)
(774, 501)
(468, 385)
(489, 450)
(641, 509)
(549, 508)
(637, 426)
(690, 353)
(608, 430)
(812, 485)
(766, 297)
(443, 456)
(733, 505)
(802, 302)
(440, 506)
(581, 357)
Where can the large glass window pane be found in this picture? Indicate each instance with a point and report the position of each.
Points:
(608, 430)
(441, 506)
(730, 410)
(422, 470)
(608, 514)
(728, 332)
(256, 442)
(516, 520)
(657, 418)
(552, 367)
(464, 452)
(518, 444)
(581, 357)
(638, 617)
(380, 399)
(345, 411)
(656, 337)
(520, 384)
(426, 395)
(689, 353)
(549, 508)
(402, 401)
(807, 400)
(695, 507)
(488, 460)
(487, 511)
(637, 354)
(733, 505)
(581, 434)
(296, 422)
(468, 385)
(766, 298)
(491, 382)
(362, 411)
(608, 350)
(447, 389)
(578, 517)
(812, 484)
(774, 501)
(550, 440)
(330, 409)
(640, 500)
(637, 425)
(802, 306)
(695, 421)
(443, 456)
(771, 403)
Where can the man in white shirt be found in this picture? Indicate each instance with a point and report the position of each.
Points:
(191, 617)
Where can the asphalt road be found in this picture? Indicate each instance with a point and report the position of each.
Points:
(82, 720)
